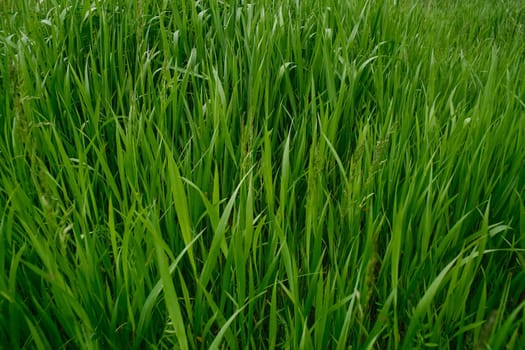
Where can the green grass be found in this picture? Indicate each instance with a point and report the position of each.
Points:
(274, 174)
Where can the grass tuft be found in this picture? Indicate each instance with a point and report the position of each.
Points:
(293, 174)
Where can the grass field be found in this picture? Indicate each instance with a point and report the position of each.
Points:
(269, 174)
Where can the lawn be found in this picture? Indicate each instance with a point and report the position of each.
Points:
(226, 174)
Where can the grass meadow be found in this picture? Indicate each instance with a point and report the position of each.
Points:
(227, 174)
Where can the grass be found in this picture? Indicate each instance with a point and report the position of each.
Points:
(292, 174)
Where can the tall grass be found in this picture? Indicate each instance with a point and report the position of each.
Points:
(292, 174)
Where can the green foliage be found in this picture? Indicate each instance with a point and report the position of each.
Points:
(268, 174)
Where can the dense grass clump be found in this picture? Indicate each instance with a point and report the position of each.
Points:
(267, 174)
